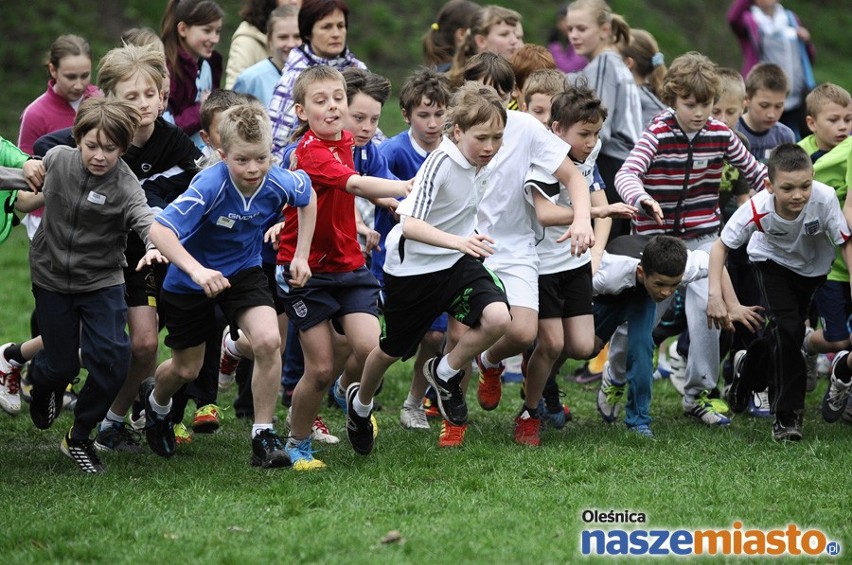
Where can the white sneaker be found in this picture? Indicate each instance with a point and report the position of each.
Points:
(228, 363)
(10, 384)
(320, 433)
(610, 395)
(758, 404)
(702, 408)
(677, 375)
(413, 417)
(810, 363)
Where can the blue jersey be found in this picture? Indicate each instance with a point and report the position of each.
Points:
(223, 229)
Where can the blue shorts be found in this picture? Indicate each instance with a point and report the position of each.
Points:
(834, 306)
(328, 296)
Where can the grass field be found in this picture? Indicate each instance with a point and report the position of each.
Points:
(490, 501)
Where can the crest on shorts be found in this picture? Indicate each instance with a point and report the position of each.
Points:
(300, 309)
(812, 228)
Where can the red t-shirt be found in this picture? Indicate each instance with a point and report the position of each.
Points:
(335, 247)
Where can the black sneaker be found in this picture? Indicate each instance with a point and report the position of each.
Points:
(45, 406)
(740, 390)
(787, 426)
(119, 437)
(267, 451)
(450, 397)
(82, 451)
(159, 430)
(358, 429)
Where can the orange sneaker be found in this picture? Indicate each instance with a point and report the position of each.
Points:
(206, 419)
(451, 435)
(527, 429)
(490, 388)
(431, 408)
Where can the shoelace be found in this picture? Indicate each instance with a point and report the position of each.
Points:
(837, 394)
(209, 410)
(449, 431)
(12, 380)
(128, 434)
(320, 426)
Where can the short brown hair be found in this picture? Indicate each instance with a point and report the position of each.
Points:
(766, 76)
(731, 81)
(473, 104)
(577, 104)
(825, 93)
(691, 74)
(218, 101)
(787, 158)
(424, 84)
(363, 81)
(245, 123)
(116, 119)
(492, 70)
(529, 58)
(123, 63)
(549, 82)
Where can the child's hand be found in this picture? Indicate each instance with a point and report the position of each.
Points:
(271, 235)
(717, 314)
(300, 273)
(620, 210)
(211, 282)
(151, 256)
(34, 174)
(371, 238)
(407, 186)
(749, 316)
(476, 245)
(582, 237)
(652, 208)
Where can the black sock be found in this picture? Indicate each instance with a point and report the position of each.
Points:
(533, 412)
(842, 371)
(13, 353)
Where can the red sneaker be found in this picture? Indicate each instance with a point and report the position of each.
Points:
(527, 429)
(490, 388)
(451, 435)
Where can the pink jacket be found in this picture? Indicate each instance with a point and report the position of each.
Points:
(48, 113)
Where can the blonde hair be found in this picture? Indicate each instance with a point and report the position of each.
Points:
(480, 24)
(549, 82)
(116, 119)
(142, 37)
(475, 103)
(602, 14)
(123, 63)
(691, 74)
(245, 123)
(731, 82)
(826, 93)
(306, 78)
(647, 59)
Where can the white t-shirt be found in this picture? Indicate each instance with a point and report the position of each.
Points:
(617, 273)
(556, 257)
(504, 213)
(804, 245)
(447, 191)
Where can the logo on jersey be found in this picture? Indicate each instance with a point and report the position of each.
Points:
(812, 228)
(146, 167)
(301, 309)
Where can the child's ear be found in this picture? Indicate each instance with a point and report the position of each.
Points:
(480, 42)
(221, 153)
(811, 123)
(181, 29)
(457, 132)
(52, 70)
(767, 184)
(205, 137)
(405, 117)
(300, 112)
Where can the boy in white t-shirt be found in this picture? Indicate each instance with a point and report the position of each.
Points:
(433, 265)
(791, 228)
(505, 216)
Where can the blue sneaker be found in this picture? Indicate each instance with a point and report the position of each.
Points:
(302, 456)
(642, 429)
(758, 404)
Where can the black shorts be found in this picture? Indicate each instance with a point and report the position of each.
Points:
(140, 286)
(190, 318)
(412, 303)
(328, 296)
(567, 294)
(280, 303)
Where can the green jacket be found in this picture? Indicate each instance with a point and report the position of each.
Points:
(833, 169)
(10, 156)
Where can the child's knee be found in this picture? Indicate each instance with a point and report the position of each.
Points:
(144, 347)
(582, 347)
(496, 320)
(266, 345)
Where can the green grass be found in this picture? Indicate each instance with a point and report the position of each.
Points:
(490, 501)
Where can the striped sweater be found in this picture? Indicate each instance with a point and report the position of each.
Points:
(683, 175)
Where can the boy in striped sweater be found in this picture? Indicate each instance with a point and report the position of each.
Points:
(673, 176)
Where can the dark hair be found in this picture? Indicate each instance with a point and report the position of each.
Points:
(424, 83)
(192, 13)
(313, 11)
(358, 80)
(490, 69)
(65, 46)
(256, 12)
(439, 42)
(766, 76)
(664, 255)
(218, 101)
(481, 23)
(787, 158)
(116, 119)
(578, 103)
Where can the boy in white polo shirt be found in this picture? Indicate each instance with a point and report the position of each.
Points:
(433, 264)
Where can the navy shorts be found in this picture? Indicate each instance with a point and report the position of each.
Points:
(413, 302)
(566, 294)
(190, 318)
(328, 296)
(834, 306)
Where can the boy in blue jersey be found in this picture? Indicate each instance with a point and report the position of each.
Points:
(212, 234)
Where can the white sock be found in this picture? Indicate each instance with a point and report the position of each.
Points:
(257, 428)
(486, 362)
(412, 401)
(231, 346)
(160, 410)
(362, 410)
(445, 372)
(110, 420)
